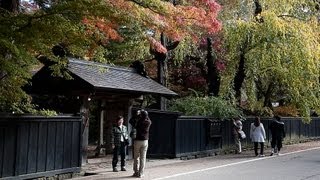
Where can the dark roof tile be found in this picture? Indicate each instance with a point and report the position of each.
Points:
(115, 78)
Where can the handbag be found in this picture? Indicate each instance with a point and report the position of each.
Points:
(126, 141)
(242, 135)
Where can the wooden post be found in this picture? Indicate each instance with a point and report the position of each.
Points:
(84, 111)
(130, 149)
(101, 148)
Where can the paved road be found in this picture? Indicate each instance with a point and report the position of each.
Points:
(298, 162)
(303, 165)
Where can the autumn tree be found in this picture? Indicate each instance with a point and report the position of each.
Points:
(86, 28)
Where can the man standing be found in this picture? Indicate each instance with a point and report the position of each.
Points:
(141, 144)
(119, 137)
(277, 133)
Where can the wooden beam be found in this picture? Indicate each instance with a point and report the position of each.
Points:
(84, 112)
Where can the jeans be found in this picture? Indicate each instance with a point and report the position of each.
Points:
(140, 156)
(116, 151)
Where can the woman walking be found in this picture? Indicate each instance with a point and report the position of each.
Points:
(258, 136)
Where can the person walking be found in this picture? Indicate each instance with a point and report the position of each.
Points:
(258, 136)
(119, 141)
(141, 144)
(237, 129)
(277, 134)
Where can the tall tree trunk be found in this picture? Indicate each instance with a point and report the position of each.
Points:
(267, 96)
(162, 65)
(162, 72)
(163, 68)
(10, 5)
(240, 75)
(213, 78)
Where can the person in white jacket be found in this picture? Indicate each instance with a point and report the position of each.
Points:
(258, 136)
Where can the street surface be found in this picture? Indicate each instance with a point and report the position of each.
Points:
(297, 162)
(297, 166)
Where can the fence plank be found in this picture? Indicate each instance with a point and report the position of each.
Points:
(33, 148)
(9, 151)
(51, 146)
(58, 163)
(67, 151)
(76, 139)
(22, 149)
(42, 147)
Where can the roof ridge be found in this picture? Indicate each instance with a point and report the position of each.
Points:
(83, 62)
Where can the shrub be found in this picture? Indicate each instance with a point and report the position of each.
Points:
(205, 106)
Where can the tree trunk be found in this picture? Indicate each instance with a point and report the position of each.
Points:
(162, 72)
(239, 77)
(267, 96)
(213, 78)
(10, 5)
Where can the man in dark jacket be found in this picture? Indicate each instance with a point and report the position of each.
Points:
(141, 144)
(277, 132)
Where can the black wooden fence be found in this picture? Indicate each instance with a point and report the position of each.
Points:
(294, 127)
(33, 146)
(172, 135)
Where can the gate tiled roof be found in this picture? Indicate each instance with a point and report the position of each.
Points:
(115, 78)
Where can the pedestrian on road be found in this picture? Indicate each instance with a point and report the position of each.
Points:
(141, 144)
(238, 134)
(277, 133)
(119, 141)
(258, 136)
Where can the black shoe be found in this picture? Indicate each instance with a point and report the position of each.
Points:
(271, 154)
(115, 169)
(123, 169)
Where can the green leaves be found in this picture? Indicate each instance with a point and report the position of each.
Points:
(283, 49)
(205, 106)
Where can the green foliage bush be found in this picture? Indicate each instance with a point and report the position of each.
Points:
(46, 112)
(205, 106)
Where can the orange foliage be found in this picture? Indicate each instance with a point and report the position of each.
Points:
(104, 26)
(288, 110)
(194, 19)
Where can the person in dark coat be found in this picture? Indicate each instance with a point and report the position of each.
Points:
(133, 122)
(141, 144)
(277, 134)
